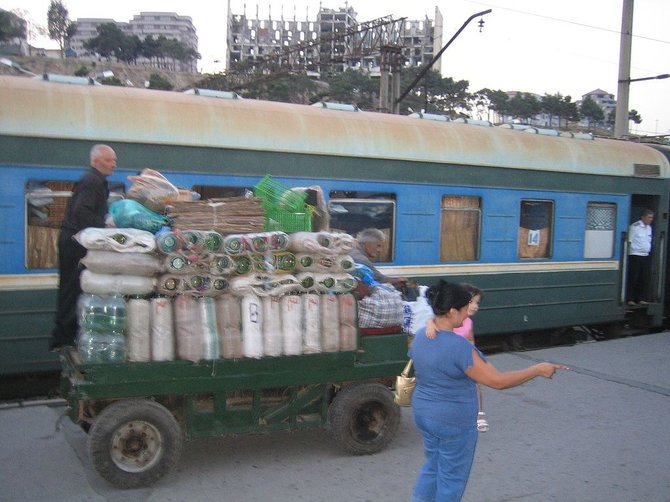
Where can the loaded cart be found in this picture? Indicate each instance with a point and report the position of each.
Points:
(138, 415)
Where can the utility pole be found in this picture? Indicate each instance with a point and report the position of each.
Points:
(621, 120)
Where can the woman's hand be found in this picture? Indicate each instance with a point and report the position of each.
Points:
(547, 370)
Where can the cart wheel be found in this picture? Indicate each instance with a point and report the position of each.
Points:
(134, 443)
(364, 418)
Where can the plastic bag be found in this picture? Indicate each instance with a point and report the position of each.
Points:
(153, 190)
(123, 240)
(131, 214)
(417, 313)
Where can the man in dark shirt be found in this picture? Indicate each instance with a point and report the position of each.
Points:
(87, 208)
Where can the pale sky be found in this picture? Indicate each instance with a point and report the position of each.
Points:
(566, 46)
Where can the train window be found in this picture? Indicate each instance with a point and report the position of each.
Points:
(45, 205)
(535, 228)
(600, 230)
(217, 192)
(353, 211)
(459, 228)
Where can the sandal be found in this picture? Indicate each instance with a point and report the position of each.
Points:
(482, 423)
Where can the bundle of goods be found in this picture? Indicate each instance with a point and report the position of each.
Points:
(202, 280)
(199, 295)
(226, 216)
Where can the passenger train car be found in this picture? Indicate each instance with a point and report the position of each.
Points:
(536, 218)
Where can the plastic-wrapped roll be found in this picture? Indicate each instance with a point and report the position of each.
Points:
(330, 324)
(252, 320)
(188, 328)
(272, 326)
(176, 264)
(113, 262)
(306, 282)
(311, 242)
(162, 329)
(213, 242)
(195, 285)
(277, 263)
(222, 265)
(334, 283)
(311, 307)
(229, 324)
(291, 323)
(278, 241)
(105, 284)
(167, 241)
(319, 263)
(236, 245)
(210, 332)
(347, 304)
(138, 331)
(343, 243)
(123, 240)
(263, 285)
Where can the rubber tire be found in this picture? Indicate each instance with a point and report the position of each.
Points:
(120, 416)
(364, 418)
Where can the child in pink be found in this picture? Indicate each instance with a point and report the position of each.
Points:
(466, 330)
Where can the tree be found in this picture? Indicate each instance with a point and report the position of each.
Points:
(435, 94)
(592, 112)
(632, 115)
(524, 106)
(108, 42)
(487, 101)
(352, 86)
(60, 28)
(11, 26)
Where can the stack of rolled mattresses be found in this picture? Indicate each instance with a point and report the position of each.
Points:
(202, 295)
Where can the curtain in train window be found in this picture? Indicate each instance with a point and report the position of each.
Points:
(600, 228)
(46, 204)
(353, 211)
(535, 229)
(459, 228)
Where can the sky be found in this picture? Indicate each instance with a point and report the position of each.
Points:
(569, 47)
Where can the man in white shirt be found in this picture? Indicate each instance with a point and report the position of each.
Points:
(639, 258)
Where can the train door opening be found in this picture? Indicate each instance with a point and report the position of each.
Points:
(639, 203)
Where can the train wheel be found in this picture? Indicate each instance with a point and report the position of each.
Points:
(135, 442)
(364, 418)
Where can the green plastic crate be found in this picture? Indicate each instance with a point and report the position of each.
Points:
(285, 221)
(276, 196)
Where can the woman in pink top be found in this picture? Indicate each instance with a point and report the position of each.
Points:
(467, 331)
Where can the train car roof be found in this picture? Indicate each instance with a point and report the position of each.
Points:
(34, 108)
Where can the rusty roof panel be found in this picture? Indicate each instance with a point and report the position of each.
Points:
(103, 113)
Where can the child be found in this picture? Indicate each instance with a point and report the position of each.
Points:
(466, 331)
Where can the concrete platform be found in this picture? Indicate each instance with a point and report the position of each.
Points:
(595, 433)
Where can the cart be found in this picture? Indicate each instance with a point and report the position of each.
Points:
(139, 414)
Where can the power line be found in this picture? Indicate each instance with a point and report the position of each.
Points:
(617, 32)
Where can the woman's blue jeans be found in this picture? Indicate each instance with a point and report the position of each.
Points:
(450, 451)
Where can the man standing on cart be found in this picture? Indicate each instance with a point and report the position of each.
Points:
(87, 208)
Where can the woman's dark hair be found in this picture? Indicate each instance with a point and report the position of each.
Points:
(473, 290)
(444, 296)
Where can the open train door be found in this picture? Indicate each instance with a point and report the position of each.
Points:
(659, 257)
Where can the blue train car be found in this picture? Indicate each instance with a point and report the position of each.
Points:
(536, 218)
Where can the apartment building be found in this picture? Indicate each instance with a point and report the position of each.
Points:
(168, 24)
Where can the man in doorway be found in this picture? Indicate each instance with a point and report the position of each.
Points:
(639, 258)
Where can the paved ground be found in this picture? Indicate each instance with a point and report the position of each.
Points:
(594, 433)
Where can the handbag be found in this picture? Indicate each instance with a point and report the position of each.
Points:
(404, 386)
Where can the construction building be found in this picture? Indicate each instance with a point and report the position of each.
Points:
(333, 40)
